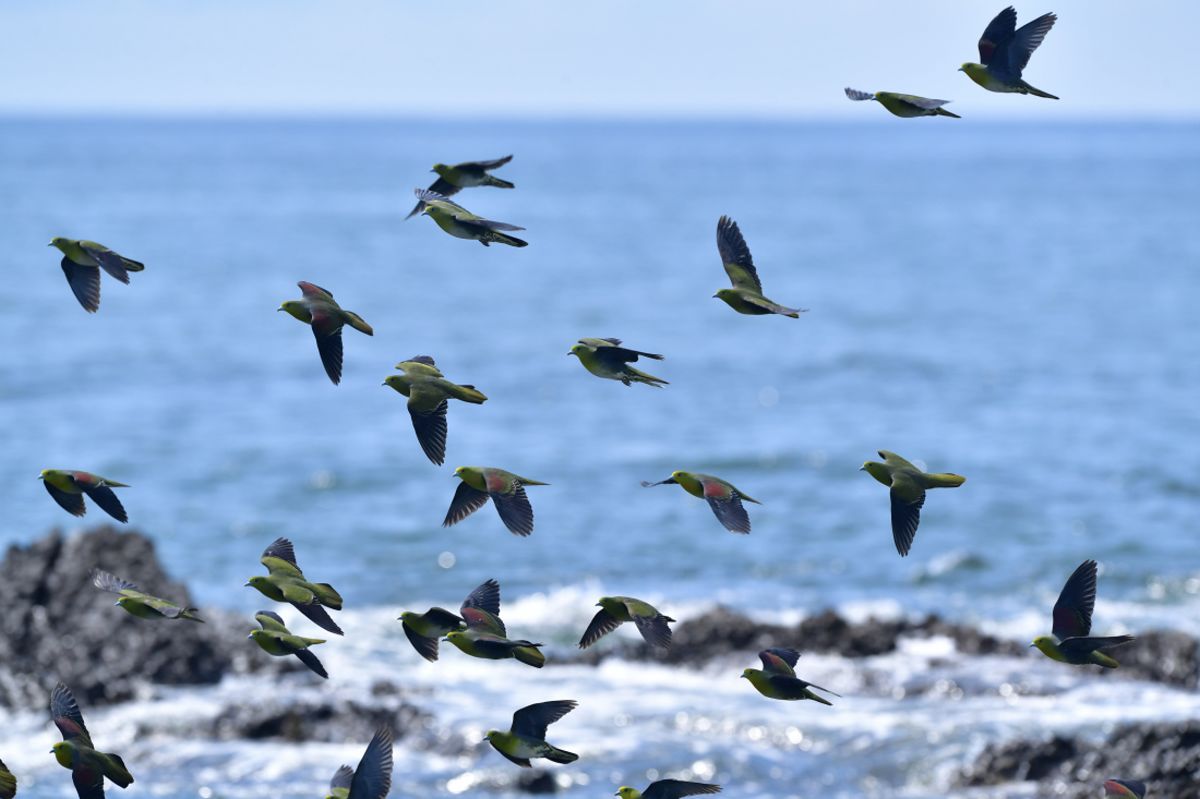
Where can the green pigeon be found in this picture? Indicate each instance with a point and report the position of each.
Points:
(82, 262)
(667, 789)
(136, 603)
(276, 639)
(527, 737)
(286, 583)
(462, 224)
(68, 486)
(373, 777)
(1130, 789)
(424, 629)
(486, 637)
(506, 489)
(1005, 50)
(904, 105)
(617, 609)
(605, 357)
(723, 497)
(8, 783)
(318, 309)
(453, 179)
(777, 678)
(429, 394)
(1071, 642)
(908, 484)
(746, 296)
(88, 766)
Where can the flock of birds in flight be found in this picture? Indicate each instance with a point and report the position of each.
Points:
(477, 629)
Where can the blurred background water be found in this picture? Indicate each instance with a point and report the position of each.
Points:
(1011, 302)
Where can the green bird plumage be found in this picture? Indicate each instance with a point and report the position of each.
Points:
(777, 678)
(746, 296)
(526, 739)
(274, 638)
(373, 777)
(1071, 641)
(615, 610)
(723, 497)
(453, 179)
(462, 224)
(429, 393)
(483, 634)
(142, 605)
(319, 310)
(667, 789)
(67, 487)
(904, 105)
(286, 583)
(908, 484)
(8, 783)
(424, 629)
(605, 357)
(1129, 789)
(81, 263)
(1004, 51)
(506, 490)
(88, 766)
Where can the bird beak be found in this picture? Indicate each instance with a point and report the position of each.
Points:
(245, 585)
(862, 468)
(960, 69)
(1032, 645)
(743, 676)
(251, 635)
(117, 603)
(714, 296)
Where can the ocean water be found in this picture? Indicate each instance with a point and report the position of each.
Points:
(1011, 302)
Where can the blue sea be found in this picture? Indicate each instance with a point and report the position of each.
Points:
(1015, 303)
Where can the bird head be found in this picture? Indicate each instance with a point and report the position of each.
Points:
(747, 673)
(877, 470)
(577, 350)
(45, 473)
(728, 295)
(676, 476)
(64, 753)
(58, 241)
(973, 71)
(460, 471)
(397, 383)
(454, 636)
(441, 169)
(491, 735)
(295, 308)
(407, 615)
(255, 635)
(625, 792)
(260, 582)
(1046, 643)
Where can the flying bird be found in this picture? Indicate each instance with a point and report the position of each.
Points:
(373, 777)
(424, 629)
(453, 179)
(276, 639)
(527, 737)
(904, 105)
(614, 610)
(462, 224)
(746, 296)
(286, 583)
(68, 486)
(318, 309)
(908, 484)
(1005, 50)
(82, 262)
(1130, 789)
(136, 603)
(485, 636)
(667, 789)
(777, 678)
(507, 491)
(1071, 641)
(429, 394)
(88, 766)
(723, 497)
(8, 783)
(605, 357)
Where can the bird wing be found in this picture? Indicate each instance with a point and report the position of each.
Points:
(925, 103)
(426, 647)
(440, 186)
(610, 352)
(650, 623)
(341, 778)
(466, 501)
(515, 510)
(523, 762)
(735, 256)
(601, 625)
(318, 616)
(907, 498)
(855, 94)
(280, 558)
(1085, 644)
(111, 583)
(532, 721)
(779, 661)
(103, 496)
(312, 661)
(730, 512)
(484, 165)
(1127, 788)
(997, 35)
(440, 200)
(1073, 610)
(373, 777)
(84, 282)
(675, 789)
(64, 711)
(71, 503)
(770, 306)
(427, 408)
(271, 621)
(327, 330)
(895, 461)
(88, 780)
(486, 596)
(484, 622)
(163, 606)
(312, 291)
(109, 260)
(1028, 37)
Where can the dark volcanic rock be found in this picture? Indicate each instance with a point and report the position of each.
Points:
(1162, 656)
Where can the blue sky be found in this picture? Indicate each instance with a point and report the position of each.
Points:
(763, 58)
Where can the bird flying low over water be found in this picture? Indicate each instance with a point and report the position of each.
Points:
(82, 262)
(76, 752)
(424, 629)
(136, 603)
(667, 789)
(507, 491)
(318, 309)
(1070, 642)
(1005, 50)
(1130, 789)
(723, 497)
(286, 583)
(614, 610)
(777, 678)
(428, 393)
(485, 636)
(526, 738)
(908, 484)
(746, 296)
(276, 639)
(605, 357)
(904, 105)
(453, 179)
(68, 486)
(462, 224)
(373, 777)
(8, 783)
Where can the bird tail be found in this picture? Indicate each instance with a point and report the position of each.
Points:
(466, 393)
(132, 265)
(504, 238)
(941, 112)
(190, 615)
(355, 321)
(1037, 92)
(310, 660)
(532, 656)
(329, 597)
(817, 698)
(556, 755)
(944, 480)
(498, 183)
(638, 376)
(116, 771)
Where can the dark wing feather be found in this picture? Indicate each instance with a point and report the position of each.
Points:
(466, 501)
(997, 34)
(485, 165)
(786, 657)
(485, 597)
(310, 660)
(110, 582)
(601, 625)
(735, 256)
(281, 548)
(1073, 610)
(654, 629)
(329, 347)
(341, 778)
(108, 502)
(430, 427)
(89, 782)
(112, 263)
(313, 291)
(1027, 39)
(426, 647)
(441, 187)
(64, 711)
(373, 777)
(478, 619)
(318, 616)
(515, 511)
(906, 516)
(84, 282)
(443, 618)
(71, 503)
(730, 513)
(531, 721)
(676, 789)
